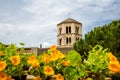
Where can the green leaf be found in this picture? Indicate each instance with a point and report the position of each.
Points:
(22, 44)
(82, 71)
(71, 73)
(74, 57)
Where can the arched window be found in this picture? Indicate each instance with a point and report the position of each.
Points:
(77, 39)
(76, 29)
(66, 29)
(67, 40)
(69, 29)
(60, 41)
(60, 30)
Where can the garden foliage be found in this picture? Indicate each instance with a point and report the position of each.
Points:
(107, 36)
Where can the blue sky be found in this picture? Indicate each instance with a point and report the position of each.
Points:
(34, 21)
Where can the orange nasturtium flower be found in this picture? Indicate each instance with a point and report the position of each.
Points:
(112, 57)
(37, 78)
(31, 59)
(52, 48)
(3, 76)
(48, 70)
(61, 55)
(114, 66)
(66, 63)
(54, 56)
(45, 58)
(35, 64)
(15, 60)
(1, 53)
(2, 65)
(59, 77)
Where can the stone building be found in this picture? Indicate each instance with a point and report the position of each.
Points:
(31, 50)
(68, 32)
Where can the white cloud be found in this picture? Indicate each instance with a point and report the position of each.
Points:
(46, 45)
(36, 6)
(34, 21)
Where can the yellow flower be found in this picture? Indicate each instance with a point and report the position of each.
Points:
(31, 59)
(2, 65)
(1, 53)
(60, 55)
(66, 63)
(114, 66)
(37, 78)
(46, 58)
(52, 48)
(112, 57)
(54, 56)
(35, 64)
(15, 60)
(3, 76)
(48, 70)
(59, 77)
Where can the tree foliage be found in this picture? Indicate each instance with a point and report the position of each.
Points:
(107, 36)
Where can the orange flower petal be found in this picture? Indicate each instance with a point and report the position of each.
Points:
(15, 60)
(2, 65)
(48, 70)
(59, 77)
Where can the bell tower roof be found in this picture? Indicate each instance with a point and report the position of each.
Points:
(69, 20)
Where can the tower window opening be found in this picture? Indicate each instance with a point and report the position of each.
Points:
(60, 30)
(60, 41)
(77, 39)
(67, 40)
(76, 29)
(69, 29)
(66, 29)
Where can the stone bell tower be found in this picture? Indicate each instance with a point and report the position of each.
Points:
(68, 32)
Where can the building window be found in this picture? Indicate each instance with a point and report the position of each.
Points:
(67, 40)
(77, 39)
(76, 29)
(66, 29)
(60, 41)
(60, 30)
(69, 29)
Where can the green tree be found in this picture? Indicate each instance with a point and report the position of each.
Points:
(107, 36)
